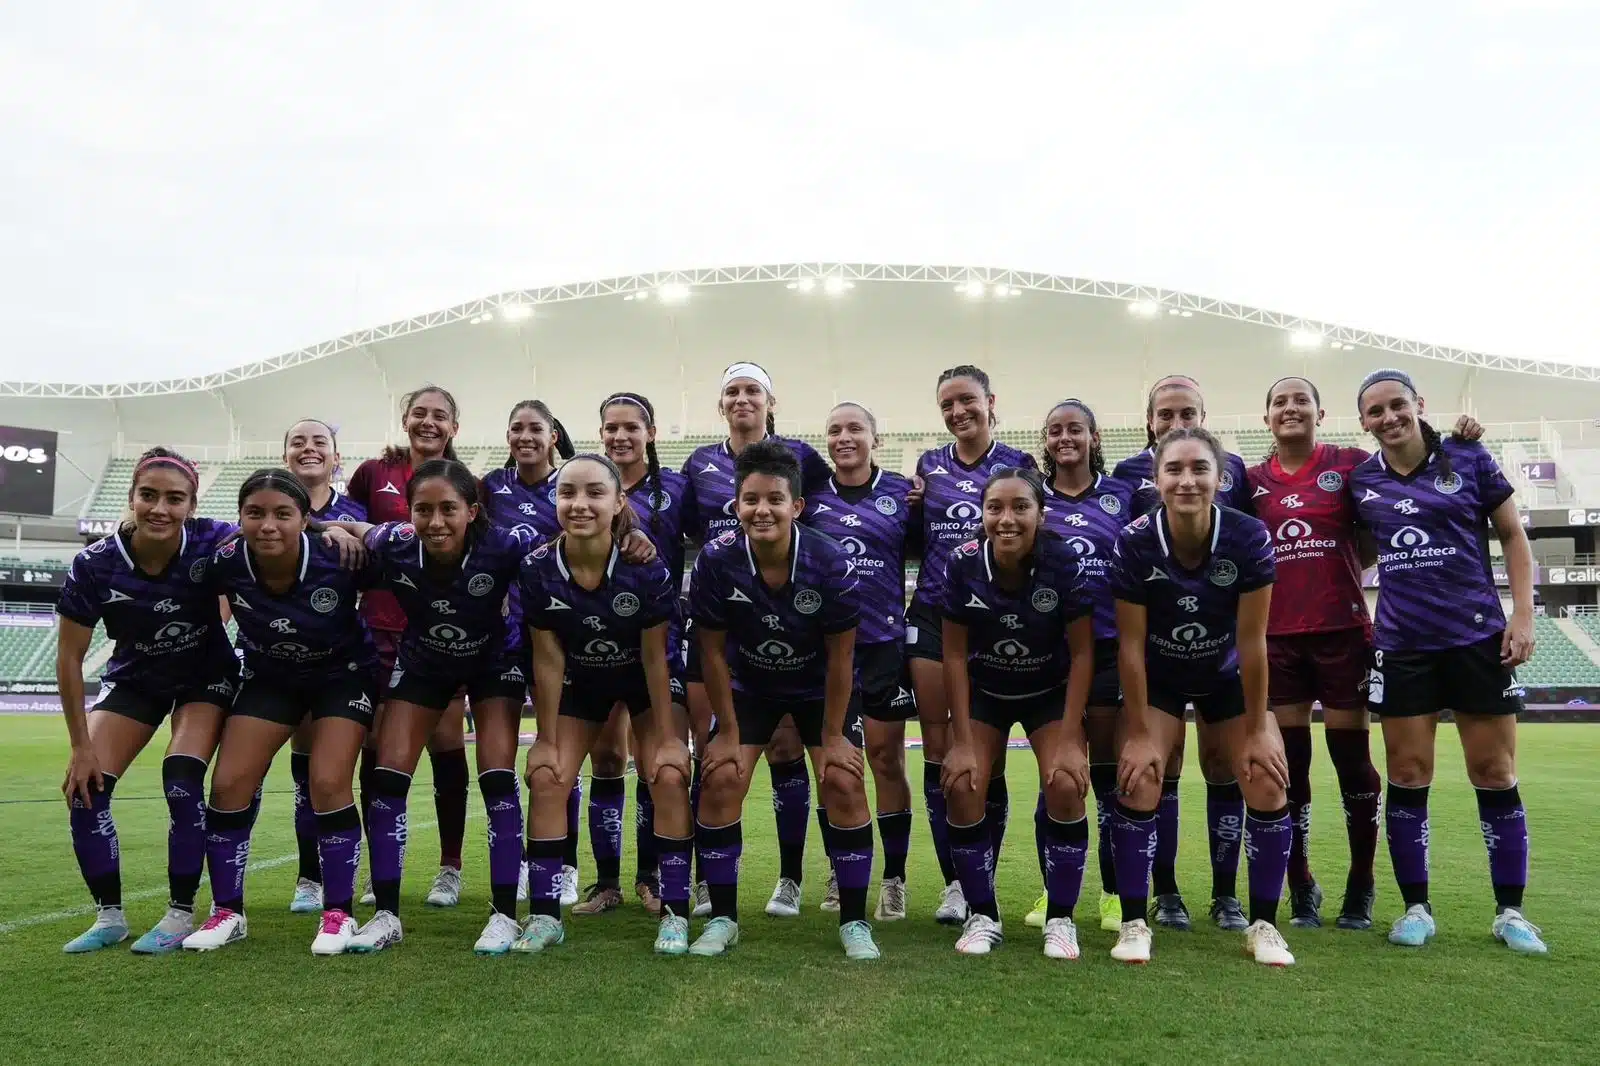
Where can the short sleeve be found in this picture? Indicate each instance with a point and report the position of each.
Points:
(1258, 566)
(660, 598)
(705, 594)
(1493, 488)
(530, 589)
(1076, 595)
(1243, 498)
(80, 595)
(1028, 462)
(689, 506)
(956, 594)
(814, 471)
(359, 488)
(1125, 581)
(841, 608)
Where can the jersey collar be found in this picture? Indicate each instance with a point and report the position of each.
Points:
(127, 556)
(561, 559)
(1161, 530)
(794, 554)
(305, 560)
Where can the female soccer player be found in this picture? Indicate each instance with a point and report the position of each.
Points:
(866, 510)
(311, 453)
(1019, 648)
(450, 570)
(600, 630)
(746, 402)
(628, 435)
(1175, 402)
(947, 488)
(306, 656)
(1442, 640)
(431, 420)
(775, 608)
(146, 583)
(1193, 585)
(1087, 508)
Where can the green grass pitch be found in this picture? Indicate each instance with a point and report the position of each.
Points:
(787, 994)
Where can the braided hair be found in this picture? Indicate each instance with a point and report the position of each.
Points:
(562, 443)
(1316, 397)
(1431, 442)
(974, 374)
(1150, 402)
(396, 454)
(652, 462)
(1097, 458)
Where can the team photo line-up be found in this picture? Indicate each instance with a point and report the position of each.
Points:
(1091, 608)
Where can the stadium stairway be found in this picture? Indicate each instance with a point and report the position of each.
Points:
(1583, 635)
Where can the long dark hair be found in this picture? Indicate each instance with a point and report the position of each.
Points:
(625, 521)
(563, 442)
(1150, 402)
(460, 479)
(652, 463)
(276, 479)
(976, 374)
(1097, 458)
(1316, 397)
(1034, 481)
(394, 453)
(1430, 436)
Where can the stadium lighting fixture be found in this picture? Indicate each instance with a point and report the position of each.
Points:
(1305, 339)
(803, 285)
(1144, 308)
(673, 292)
(836, 286)
(1341, 346)
(478, 320)
(1005, 292)
(642, 294)
(516, 312)
(972, 290)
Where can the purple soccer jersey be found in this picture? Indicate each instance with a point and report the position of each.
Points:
(872, 522)
(599, 629)
(1016, 640)
(309, 633)
(1089, 524)
(456, 618)
(340, 508)
(167, 626)
(1435, 587)
(709, 472)
(512, 503)
(776, 636)
(952, 506)
(1192, 616)
(1137, 471)
(662, 514)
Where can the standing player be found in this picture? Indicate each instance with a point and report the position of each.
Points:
(431, 420)
(867, 511)
(1087, 509)
(1174, 402)
(746, 402)
(311, 453)
(1193, 584)
(628, 435)
(146, 583)
(948, 487)
(451, 571)
(775, 608)
(306, 657)
(1443, 641)
(601, 634)
(1019, 649)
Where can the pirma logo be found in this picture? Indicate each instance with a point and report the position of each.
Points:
(963, 511)
(1188, 632)
(1294, 529)
(1408, 537)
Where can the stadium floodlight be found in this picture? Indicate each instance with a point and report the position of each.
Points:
(1341, 346)
(1005, 292)
(972, 290)
(518, 312)
(478, 320)
(1305, 339)
(673, 292)
(834, 285)
(803, 285)
(1144, 308)
(642, 294)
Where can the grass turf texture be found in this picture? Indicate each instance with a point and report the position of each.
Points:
(787, 994)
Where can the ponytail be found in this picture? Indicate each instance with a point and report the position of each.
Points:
(562, 443)
(1431, 446)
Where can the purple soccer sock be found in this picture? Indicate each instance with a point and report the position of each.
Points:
(1066, 851)
(673, 855)
(544, 875)
(972, 852)
(1103, 779)
(1406, 823)
(997, 813)
(791, 806)
(569, 855)
(894, 829)
(1164, 872)
(305, 819)
(1133, 849)
(938, 822)
(644, 834)
(339, 855)
(183, 779)
(851, 852)
(1224, 830)
(721, 848)
(94, 842)
(607, 797)
(1041, 834)
(228, 855)
(386, 835)
(1504, 822)
(503, 802)
(1297, 750)
(1268, 836)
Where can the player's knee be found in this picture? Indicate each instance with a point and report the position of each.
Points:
(609, 763)
(841, 790)
(888, 758)
(721, 784)
(1492, 770)
(1410, 769)
(552, 788)
(330, 789)
(669, 778)
(1062, 800)
(1263, 794)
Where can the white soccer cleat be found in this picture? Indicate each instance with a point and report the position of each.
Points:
(720, 936)
(222, 928)
(569, 886)
(891, 901)
(1263, 941)
(1060, 939)
(498, 936)
(702, 900)
(1133, 942)
(980, 935)
(446, 890)
(952, 905)
(333, 937)
(830, 894)
(307, 897)
(381, 932)
(785, 901)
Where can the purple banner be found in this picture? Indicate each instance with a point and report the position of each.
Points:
(1543, 472)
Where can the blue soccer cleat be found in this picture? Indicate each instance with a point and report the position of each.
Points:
(110, 928)
(1517, 933)
(1414, 928)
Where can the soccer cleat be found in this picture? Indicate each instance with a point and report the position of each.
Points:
(649, 897)
(1133, 942)
(1305, 906)
(980, 935)
(222, 928)
(307, 897)
(446, 890)
(672, 938)
(891, 900)
(1168, 911)
(952, 905)
(1414, 928)
(1060, 939)
(498, 936)
(368, 897)
(166, 936)
(381, 932)
(720, 936)
(598, 900)
(540, 931)
(785, 901)
(338, 929)
(830, 894)
(1517, 933)
(522, 884)
(1035, 918)
(569, 886)
(1228, 913)
(1263, 941)
(702, 900)
(1110, 913)
(858, 943)
(1356, 911)
(109, 929)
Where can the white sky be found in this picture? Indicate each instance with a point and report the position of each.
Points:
(191, 186)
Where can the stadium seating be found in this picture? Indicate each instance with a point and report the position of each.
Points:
(111, 497)
(1557, 660)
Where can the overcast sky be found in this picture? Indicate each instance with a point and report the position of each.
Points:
(188, 186)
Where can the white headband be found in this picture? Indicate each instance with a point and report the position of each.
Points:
(747, 370)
